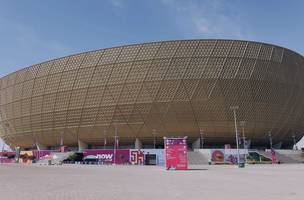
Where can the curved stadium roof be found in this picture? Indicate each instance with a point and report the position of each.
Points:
(172, 88)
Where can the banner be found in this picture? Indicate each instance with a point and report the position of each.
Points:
(7, 160)
(176, 153)
(137, 156)
(7, 157)
(40, 154)
(26, 157)
(217, 155)
(228, 156)
(107, 156)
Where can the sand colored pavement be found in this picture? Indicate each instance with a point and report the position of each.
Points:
(255, 182)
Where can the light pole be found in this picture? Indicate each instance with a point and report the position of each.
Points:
(270, 139)
(61, 142)
(244, 140)
(104, 139)
(201, 138)
(115, 143)
(243, 132)
(154, 138)
(234, 108)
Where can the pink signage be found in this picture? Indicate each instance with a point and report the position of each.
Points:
(176, 153)
(120, 156)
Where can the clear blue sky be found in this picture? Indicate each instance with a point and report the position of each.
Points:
(33, 31)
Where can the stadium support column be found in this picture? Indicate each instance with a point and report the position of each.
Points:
(138, 144)
(234, 108)
(270, 139)
(82, 145)
(40, 147)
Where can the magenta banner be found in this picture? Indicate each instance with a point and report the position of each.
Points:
(176, 153)
(7, 160)
(108, 155)
(40, 154)
(7, 157)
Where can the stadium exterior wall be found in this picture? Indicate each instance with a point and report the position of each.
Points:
(170, 88)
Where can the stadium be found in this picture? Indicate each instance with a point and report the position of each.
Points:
(143, 92)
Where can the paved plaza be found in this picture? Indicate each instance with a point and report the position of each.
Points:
(256, 182)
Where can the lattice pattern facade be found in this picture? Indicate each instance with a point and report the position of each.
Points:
(173, 88)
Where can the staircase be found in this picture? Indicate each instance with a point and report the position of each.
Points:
(290, 156)
(266, 154)
(197, 158)
(285, 156)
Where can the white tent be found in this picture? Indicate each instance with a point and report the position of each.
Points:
(300, 144)
(4, 146)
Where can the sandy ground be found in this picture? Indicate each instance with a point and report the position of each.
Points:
(258, 182)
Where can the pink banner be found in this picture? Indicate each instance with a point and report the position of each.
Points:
(176, 153)
(7, 160)
(7, 157)
(40, 154)
(121, 156)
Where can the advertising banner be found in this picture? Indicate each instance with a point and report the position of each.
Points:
(7, 160)
(217, 155)
(7, 157)
(26, 157)
(176, 155)
(40, 154)
(228, 156)
(137, 156)
(108, 156)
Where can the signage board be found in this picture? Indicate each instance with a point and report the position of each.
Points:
(137, 156)
(229, 156)
(176, 154)
(109, 156)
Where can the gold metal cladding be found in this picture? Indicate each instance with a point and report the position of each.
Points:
(175, 88)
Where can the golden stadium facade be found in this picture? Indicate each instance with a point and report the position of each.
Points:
(170, 88)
